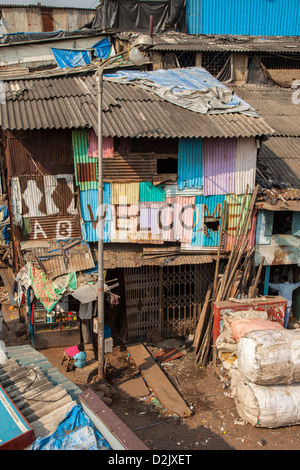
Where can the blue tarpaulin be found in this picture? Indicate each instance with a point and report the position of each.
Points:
(75, 432)
(5, 233)
(102, 48)
(66, 58)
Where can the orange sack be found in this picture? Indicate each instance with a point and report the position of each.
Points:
(242, 326)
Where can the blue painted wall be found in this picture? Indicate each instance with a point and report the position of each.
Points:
(249, 17)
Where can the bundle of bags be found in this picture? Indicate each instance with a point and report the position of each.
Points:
(266, 380)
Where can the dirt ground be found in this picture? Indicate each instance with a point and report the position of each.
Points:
(214, 424)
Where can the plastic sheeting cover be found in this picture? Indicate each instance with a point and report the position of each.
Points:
(134, 15)
(69, 59)
(193, 88)
(75, 432)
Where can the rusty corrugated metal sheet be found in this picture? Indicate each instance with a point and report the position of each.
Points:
(129, 167)
(65, 256)
(40, 152)
(47, 228)
(133, 112)
(117, 259)
(47, 195)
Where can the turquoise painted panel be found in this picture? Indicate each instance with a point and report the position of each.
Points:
(296, 224)
(148, 192)
(90, 197)
(190, 171)
(206, 206)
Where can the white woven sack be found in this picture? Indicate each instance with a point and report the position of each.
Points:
(269, 357)
(267, 407)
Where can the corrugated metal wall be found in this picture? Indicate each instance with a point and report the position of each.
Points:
(89, 199)
(246, 153)
(40, 152)
(190, 173)
(85, 167)
(30, 19)
(207, 206)
(208, 169)
(219, 164)
(246, 17)
(149, 192)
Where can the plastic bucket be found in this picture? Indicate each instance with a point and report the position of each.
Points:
(50, 317)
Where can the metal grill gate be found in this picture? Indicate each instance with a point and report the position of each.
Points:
(143, 302)
(167, 298)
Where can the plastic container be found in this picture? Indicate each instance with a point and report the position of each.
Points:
(107, 332)
(50, 317)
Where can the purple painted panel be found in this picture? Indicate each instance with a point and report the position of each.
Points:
(219, 162)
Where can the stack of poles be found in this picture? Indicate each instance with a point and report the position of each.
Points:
(234, 281)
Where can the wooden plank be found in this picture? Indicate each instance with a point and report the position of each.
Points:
(158, 382)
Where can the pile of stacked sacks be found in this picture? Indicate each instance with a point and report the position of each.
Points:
(266, 380)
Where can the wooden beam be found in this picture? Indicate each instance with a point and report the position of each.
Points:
(158, 382)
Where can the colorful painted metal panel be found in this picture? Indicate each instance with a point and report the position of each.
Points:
(244, 17)
(190, 174)
(15, 432)
(219, 165)
(150, 192)
(207, 207)
(89, 213)
(85, 167)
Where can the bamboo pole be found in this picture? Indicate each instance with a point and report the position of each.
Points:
(224, 213)
(201, 321)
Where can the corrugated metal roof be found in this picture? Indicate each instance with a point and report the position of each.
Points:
(71, 102)
(134, 259)
(280, 154)
(77, 4)
(274, 104)
(174, 41)
(280, 158)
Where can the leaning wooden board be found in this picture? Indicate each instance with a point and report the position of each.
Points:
(158, 382)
